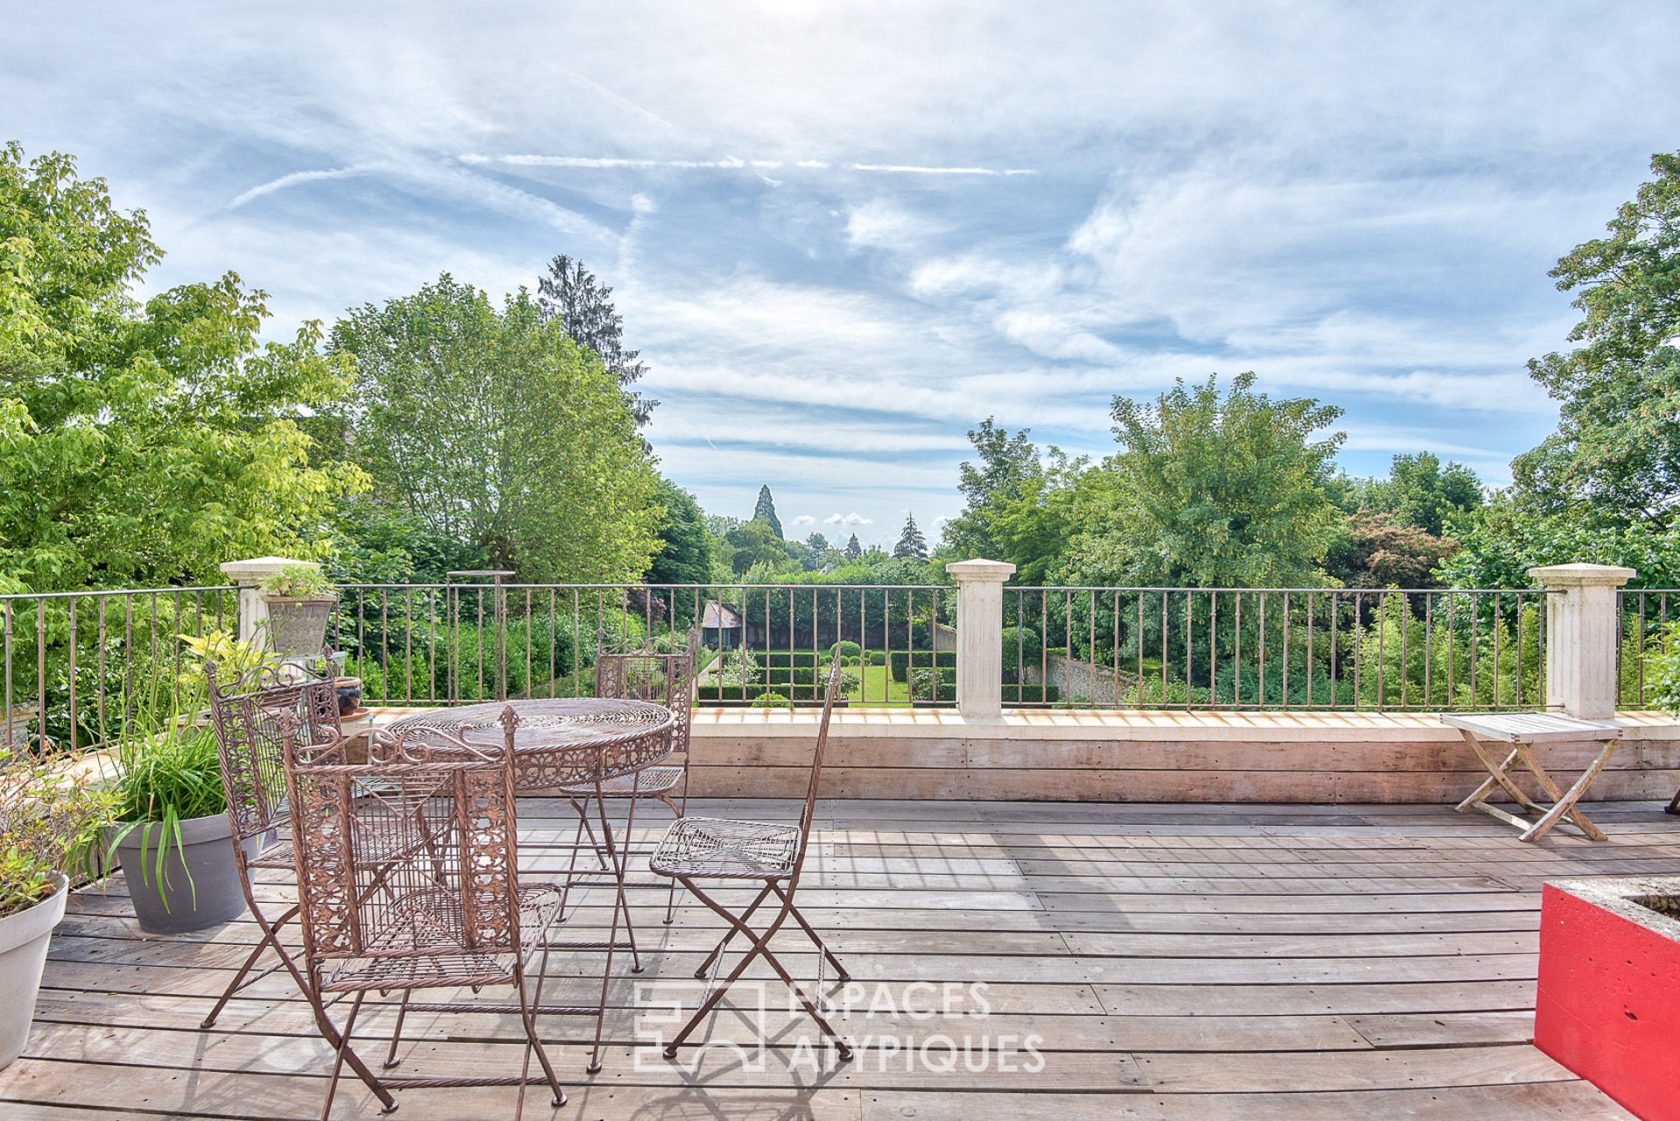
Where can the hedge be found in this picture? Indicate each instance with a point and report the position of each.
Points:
(900, 660)
(1031, 694)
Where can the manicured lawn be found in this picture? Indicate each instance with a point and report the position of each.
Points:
(878, 688)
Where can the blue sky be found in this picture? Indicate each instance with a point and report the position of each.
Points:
(842, 234)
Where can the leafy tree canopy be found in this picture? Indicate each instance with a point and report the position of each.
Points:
(1618, 440)
(1021, 504)
(141, 443)
(853, 549)
(685, 548)
(1212, 491)
(1502, 540)
(499, 431)
(1378, 550)
(1419, 491)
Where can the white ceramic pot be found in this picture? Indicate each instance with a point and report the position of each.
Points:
(23, 955)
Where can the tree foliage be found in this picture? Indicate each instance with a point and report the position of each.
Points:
(141, 443)
(685, 548)
(911, 543)
(1211, 491)
(1378, 550)
(1419, 491)
(1618, 440)
(499, 431)
(764, 510)
(570, 295)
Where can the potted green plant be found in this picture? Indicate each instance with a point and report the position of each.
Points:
(300, 603)
(50, 814)
(170, 829)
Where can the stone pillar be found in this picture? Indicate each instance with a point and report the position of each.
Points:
(980, 636)
(253, 610)
(1581, 635)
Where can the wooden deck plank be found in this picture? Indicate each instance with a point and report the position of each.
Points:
(1175, 962)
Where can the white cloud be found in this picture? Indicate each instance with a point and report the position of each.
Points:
(805, 519)
(852, 519)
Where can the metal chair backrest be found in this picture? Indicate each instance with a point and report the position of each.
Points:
(809, 813)
(246, 712)
(645, 675)
(407, 863)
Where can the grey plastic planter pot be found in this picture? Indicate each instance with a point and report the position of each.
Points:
(200, 882)
(23, 954)
(297, 628)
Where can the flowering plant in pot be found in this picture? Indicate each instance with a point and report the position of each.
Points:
(300, 603)
(50, 814)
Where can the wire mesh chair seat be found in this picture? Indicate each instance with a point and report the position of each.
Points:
(730, 851)
(718, 848)
(648, 783)
(430, 911)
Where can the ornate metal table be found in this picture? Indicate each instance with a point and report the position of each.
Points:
(571, 741)
(561, 741)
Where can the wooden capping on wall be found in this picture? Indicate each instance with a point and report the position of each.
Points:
(1305, 757)
(1135, 756)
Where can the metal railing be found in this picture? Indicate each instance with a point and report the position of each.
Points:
(764, 644)
(1644, 618)
(1274, 648)
(71, 663)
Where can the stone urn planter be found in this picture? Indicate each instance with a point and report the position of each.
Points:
(199, 881)
(297, 628)
(23, 955)
(1608, 1003)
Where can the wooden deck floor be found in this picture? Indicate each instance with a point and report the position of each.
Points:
(1173, 962)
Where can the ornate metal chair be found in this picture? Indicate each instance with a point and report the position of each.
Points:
(247, 712)
(665, 679)
(736, 852)
(408, 880)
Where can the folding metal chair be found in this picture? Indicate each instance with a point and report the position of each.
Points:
(732, 852)
(644, 675)
(247, 713)
(408, 880)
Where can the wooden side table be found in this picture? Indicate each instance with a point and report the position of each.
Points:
(1524, 731)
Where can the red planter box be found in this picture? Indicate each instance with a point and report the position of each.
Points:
(1608, 1006)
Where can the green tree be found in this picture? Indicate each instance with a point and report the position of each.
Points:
(854, 551)
(756, 544)
(1419, 491)
(764, 510)
(817, 543)
(911, 543)
(142, 442)
(1021, 504)
(570, 295)
(685, 548)
(1212, 492)
(499, 431)
(1377, 550)
(1618, 441)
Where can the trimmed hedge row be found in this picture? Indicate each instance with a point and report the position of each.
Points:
(899, 661)
(1031, 694)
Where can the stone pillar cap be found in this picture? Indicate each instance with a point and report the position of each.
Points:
(253, 571)
(1582, 575)
(981, 570)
